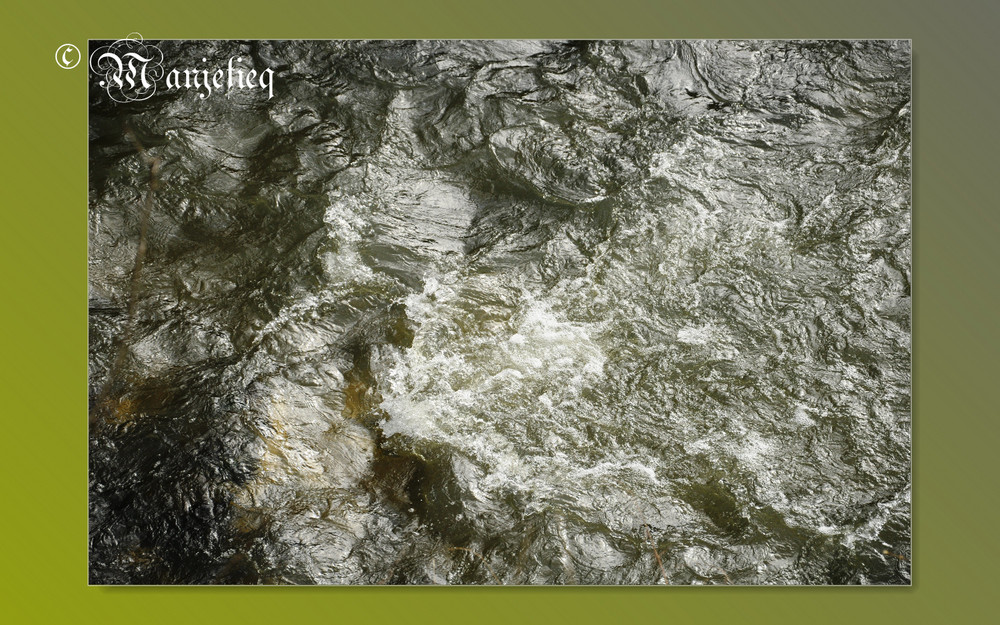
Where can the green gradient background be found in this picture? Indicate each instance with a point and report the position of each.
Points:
(44, 239)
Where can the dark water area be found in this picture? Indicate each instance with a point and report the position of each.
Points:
(505, 312)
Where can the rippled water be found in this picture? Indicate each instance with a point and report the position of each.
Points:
(517, 312)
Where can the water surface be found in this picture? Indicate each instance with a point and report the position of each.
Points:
(518, 312)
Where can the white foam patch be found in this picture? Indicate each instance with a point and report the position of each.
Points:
(715, 340)
(508, 394)
(695, 335)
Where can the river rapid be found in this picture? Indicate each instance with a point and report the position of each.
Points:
(506, 312)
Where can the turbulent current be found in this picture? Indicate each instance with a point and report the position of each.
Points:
(505, 312)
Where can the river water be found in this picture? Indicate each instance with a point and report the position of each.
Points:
(516, 312)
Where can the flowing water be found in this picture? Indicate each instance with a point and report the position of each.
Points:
(518, 312)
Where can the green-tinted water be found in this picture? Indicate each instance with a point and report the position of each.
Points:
(515, 312)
